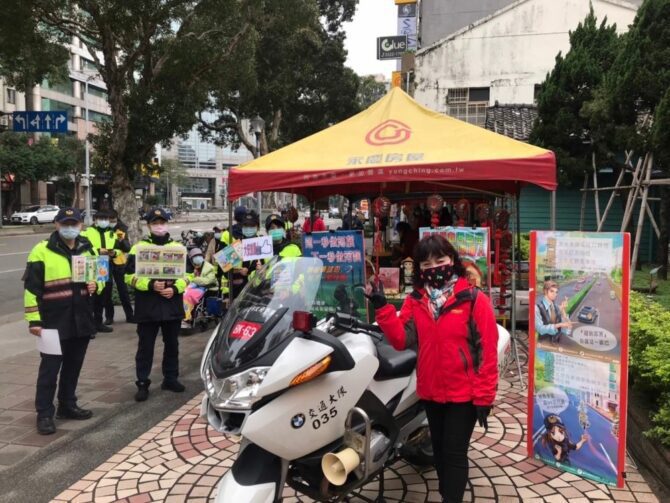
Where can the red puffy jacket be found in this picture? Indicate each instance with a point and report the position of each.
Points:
(456, 362)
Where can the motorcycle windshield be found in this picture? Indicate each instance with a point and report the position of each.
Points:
(261, 316)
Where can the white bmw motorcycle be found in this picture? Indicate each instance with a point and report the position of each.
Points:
(324, 409)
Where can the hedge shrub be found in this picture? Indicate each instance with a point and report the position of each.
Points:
(649, 360)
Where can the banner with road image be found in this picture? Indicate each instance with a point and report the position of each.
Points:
(578, 366)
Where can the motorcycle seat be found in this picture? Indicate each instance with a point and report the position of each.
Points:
(394, 364)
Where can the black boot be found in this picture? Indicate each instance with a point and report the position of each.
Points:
(104, 329)
(142, 391)
(173, 385)
(73, 412)
(46, 426)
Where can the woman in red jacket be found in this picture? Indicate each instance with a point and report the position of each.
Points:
(457, 368)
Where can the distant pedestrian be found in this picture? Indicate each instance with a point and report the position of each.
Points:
(158, 306)
(54, 302)
(314, 224)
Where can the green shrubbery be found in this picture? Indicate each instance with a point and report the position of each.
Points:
(650, 360)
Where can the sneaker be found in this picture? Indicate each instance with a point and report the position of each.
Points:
(73, 412)
(46, 426)
(173, 385)
(186, 325)
(105, 329)
(142, 391)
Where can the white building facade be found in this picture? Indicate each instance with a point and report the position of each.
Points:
(504, 57)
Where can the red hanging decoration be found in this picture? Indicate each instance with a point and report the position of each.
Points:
(483, 212)
(503, 264)
(462, 210)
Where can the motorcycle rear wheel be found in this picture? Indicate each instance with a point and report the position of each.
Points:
(421, 453)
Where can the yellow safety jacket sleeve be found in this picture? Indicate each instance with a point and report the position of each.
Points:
(34, 285)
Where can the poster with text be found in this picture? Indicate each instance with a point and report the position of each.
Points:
(90, 268)
(230, 256)
(343, 279)
(160, 262)
(472, 245)
(578, 367)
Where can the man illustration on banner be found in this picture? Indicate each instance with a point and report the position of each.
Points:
(551, 319)
(558, 441)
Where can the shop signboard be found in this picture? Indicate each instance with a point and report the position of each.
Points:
(343, 278)
(577, 401)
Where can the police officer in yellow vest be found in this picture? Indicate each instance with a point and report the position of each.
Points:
(276, 229)
(104, 241)
(158, 306)
(53, 301)
(119, 266)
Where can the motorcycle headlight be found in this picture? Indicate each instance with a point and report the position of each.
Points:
(234, 392)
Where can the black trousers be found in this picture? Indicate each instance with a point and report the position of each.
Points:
(100, 301)
(69, 365)
(118, 275)
(147, 332)
(451, 426)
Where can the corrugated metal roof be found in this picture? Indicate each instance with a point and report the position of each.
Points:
(513, 121)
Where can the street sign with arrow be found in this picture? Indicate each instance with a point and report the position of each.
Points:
(40, 122)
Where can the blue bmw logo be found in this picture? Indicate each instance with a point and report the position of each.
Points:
(298, 421)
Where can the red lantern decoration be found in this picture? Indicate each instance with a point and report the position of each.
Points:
(435, 203)
(381, 206)
(462, 210)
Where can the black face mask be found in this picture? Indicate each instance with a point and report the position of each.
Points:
(436, 277)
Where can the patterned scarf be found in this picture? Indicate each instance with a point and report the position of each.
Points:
(438, 296)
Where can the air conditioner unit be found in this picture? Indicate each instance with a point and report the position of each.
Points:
(4, 120)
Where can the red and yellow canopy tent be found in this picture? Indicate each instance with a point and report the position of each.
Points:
(397, 146)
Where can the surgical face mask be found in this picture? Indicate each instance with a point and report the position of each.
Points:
(217, 235)
(112, 223)
(103, 224)
(249, 232)
(158, 229)
(198, 261)
(69, 232)
(277, 234)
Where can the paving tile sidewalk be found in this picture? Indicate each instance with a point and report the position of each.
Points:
(182, 459)
(106, 385)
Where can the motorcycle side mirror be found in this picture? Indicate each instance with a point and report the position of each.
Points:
(303, 321)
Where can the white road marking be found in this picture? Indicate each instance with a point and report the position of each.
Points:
(608, 457)
(14, 253)
(12, 270)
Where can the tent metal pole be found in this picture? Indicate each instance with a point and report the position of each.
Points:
(514, 342)
(231, 202)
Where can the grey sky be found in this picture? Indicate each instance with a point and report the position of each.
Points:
(374, 18)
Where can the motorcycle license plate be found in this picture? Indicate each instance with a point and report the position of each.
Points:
(244, 330)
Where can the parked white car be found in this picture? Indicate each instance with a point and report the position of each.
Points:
(35, 215)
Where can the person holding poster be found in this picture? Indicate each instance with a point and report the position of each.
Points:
(56, 306)
(551, 319)
(250, 224)
(457, 366)
(103, 240)
(158, 306)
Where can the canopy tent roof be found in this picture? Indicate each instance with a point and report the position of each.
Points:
(397, 145)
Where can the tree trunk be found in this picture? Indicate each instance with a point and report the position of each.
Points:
(124, 202)
(663, 224)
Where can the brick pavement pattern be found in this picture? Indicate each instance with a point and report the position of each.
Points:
(182, 459)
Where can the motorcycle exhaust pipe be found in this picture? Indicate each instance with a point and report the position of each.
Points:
(337, 466)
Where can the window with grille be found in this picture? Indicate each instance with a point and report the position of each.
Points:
(468, 104)
(11, 96)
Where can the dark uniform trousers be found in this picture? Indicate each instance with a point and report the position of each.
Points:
(118, 272)
(101, 301)
(147, 332)
(69, 364)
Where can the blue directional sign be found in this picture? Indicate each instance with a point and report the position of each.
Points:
(40, 122)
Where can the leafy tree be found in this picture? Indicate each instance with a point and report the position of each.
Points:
(172, 173)
(563, 124)
(295, 79)
(370, 91)
(29, 50)
(635, 99)
(157, 59)
(30, 160)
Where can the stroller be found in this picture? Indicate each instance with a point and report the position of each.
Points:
(208, 312)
